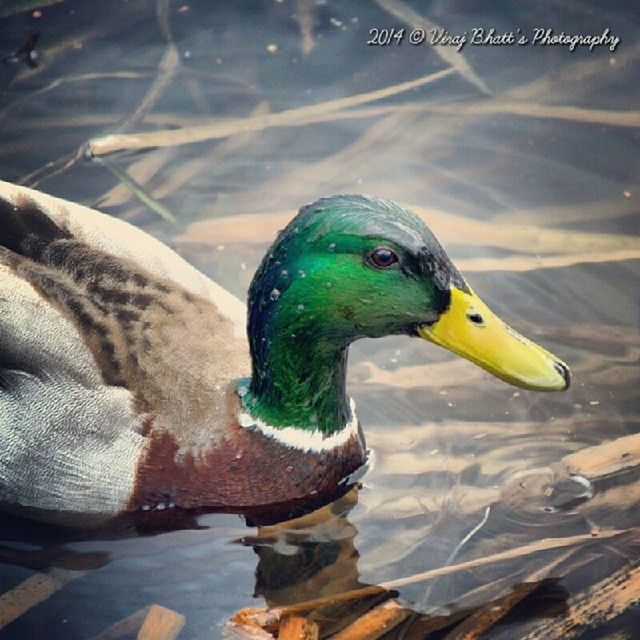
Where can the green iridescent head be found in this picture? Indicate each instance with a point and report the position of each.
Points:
(345, 267)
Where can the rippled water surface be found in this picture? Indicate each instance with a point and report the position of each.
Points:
(524, 161)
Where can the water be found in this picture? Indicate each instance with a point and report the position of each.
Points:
(540, 213)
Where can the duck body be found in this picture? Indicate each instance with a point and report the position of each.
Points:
(123, 370)
(118, 363)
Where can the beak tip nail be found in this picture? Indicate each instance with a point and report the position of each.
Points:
(564, 371)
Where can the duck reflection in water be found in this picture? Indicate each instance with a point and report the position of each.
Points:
(313, 559)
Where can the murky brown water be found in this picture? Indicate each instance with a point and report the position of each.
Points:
(524, 160)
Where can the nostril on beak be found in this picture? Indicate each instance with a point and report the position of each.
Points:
(563, 370)
(476, 318)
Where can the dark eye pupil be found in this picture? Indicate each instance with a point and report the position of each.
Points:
(383, 258)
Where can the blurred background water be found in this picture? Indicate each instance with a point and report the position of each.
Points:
(524, 162)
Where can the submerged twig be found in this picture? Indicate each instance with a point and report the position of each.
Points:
(458, 547)
(58, 82)
(450, 55)
(141, 172)
(50, 170)
(167, 69)
(304, 17)
(141, 194)
(545, 544)
(291, 117)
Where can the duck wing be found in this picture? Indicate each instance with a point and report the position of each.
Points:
(105, 333)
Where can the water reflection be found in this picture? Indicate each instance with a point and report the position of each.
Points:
(315, 559)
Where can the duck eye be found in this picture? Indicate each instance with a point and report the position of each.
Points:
(383, 258)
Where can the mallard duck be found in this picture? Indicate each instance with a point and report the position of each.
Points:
(127, 383)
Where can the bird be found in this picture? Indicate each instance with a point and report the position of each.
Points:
(130, 382)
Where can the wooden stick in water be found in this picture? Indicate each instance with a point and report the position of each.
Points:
(604, 601)
(376, 622)
(606, 458)
(161, 624)
(297, 628)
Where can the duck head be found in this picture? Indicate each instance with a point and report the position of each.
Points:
(348, 267)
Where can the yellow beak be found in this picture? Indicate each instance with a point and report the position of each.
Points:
(470, 329)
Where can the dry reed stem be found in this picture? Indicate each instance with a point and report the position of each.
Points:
(291, 117)
(528, 239)
(159, 119)
(34, 590)
(229, 126)
(534, 110)
(161, 623)
(375, 623)
(606, 458)
(602, 602)
(297, 628)
(113, 143)
(450, 55)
